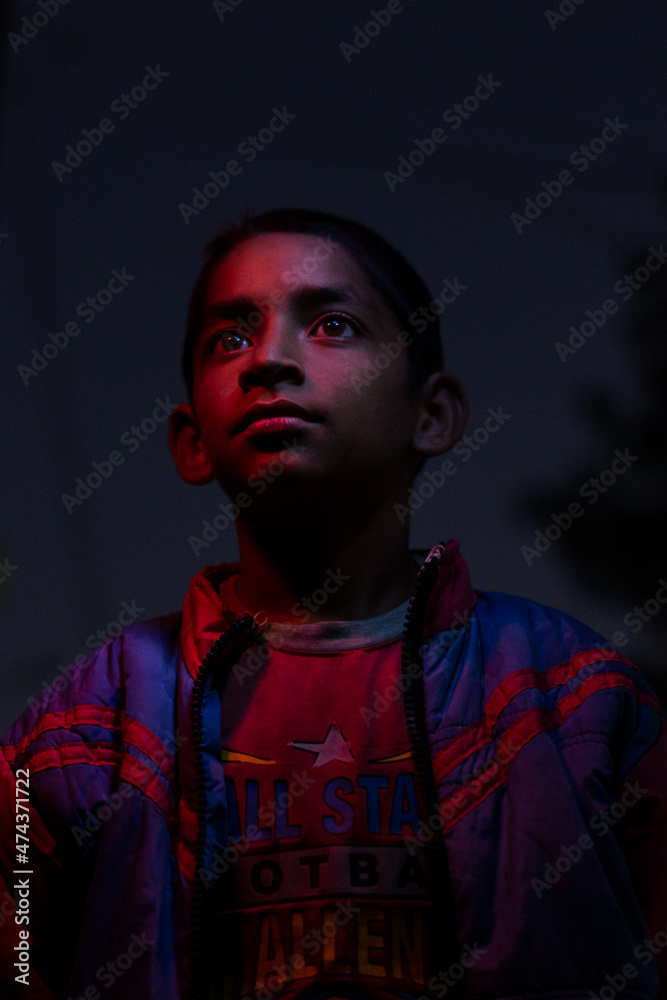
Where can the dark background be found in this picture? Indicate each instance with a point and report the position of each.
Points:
(69, 573)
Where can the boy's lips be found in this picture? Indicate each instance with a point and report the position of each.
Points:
(268, 414)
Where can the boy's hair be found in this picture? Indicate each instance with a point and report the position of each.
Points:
(386, 269)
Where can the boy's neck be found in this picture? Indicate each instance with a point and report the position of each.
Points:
(356, 575)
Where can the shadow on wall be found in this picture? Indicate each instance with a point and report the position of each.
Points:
(616, 541)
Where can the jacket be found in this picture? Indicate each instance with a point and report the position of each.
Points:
(540, 767)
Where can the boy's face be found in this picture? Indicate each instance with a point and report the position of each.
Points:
(312, 334)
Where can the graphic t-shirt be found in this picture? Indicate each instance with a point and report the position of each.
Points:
(324, 898)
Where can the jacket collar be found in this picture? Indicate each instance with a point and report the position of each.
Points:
(205, 617)
(452, 598)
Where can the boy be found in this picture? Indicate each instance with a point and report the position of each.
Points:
(339, 771)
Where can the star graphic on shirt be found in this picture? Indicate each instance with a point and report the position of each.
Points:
(334, 746)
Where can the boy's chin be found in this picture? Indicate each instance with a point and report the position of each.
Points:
(286, 483)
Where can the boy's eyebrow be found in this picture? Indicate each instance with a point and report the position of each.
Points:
(305, 296)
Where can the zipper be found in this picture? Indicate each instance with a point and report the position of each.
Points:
(416, 724)
(414, 703)
(222, 645)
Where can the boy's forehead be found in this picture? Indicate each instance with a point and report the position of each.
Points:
(283, 262)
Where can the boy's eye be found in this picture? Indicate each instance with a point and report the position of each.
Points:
(228, 339)
(334, 326)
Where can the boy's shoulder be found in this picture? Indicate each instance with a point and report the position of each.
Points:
(135, 672)
(503, 621)
(549, 658)
(526, 622)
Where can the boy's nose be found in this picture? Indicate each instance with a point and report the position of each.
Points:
(274, 358)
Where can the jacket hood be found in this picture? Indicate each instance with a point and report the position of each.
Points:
(205, 615)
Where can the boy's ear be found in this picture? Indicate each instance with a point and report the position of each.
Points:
(442, 416)
(187, 447)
